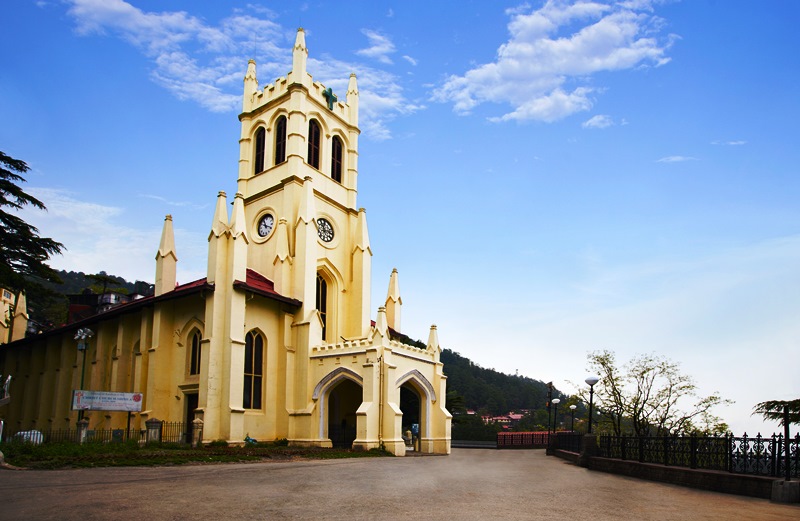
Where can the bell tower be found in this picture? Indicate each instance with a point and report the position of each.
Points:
(298, 176)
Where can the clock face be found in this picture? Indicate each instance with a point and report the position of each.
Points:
(265, 225)
(325, 229)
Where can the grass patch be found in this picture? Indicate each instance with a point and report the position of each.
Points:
(130, 454)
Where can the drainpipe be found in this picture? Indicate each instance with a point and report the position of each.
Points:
(380, 401)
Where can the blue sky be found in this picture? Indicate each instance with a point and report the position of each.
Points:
(548, 178)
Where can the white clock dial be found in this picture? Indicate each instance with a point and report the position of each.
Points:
(325, 229)
(265, 225)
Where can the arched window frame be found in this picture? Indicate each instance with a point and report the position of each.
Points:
(260, 147)
(280, 140)
(314, 143)
(195, 352)
(322, 302)
(337, 159)
(253, 391)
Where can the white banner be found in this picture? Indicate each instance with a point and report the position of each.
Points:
(105, 401)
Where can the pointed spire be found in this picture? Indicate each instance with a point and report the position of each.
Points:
(433, 340)
(220, 223)
(307, 209)
(20, 319)
(362, 234)
(166, 260)
(393, 302)
(282, 276)
(238, 225)
(167, 245)
(352, 99)
(250, 84)
(380, 324)
(299, 57)
(21, 307)
(282, 241)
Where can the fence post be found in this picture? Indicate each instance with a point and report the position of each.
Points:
(154, 427)
(693, 451)
(775, 458)
(666, 451)
(197, 432)
(623, 446)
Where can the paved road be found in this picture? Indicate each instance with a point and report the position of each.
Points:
(468, 484)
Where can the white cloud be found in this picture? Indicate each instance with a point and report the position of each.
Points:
(381, 97)
(380, 47)
(730, 143)
(410, 60)
(97, 238)
(546, 53)
(675, 159)
(205, 64)
(598, 121)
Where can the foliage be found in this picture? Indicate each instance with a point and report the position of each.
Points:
(645, 394)
(471, 427)
(491, 390)
(23, 253)
(48, 305)
(772, 410)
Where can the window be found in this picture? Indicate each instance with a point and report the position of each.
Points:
(313, 143)
(336, 159)
(253, 370)
(194, 355)
(260, 138)
(322, 302)
(280, 140)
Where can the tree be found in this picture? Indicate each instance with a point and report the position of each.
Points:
(647, 395)
(772, 410)
(23, 253)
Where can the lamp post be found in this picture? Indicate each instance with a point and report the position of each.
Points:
(591, 380)
(572, 410)
(556, 401)
(82, 336)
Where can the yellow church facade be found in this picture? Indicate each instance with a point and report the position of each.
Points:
(277, 341)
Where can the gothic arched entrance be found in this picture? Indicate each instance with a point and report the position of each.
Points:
(343, 402)
(411, 406)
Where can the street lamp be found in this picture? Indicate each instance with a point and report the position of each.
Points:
(82, 336)
(591, 380)
(556, 401)
(572, 410)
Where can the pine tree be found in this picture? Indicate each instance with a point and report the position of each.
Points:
(23, 253)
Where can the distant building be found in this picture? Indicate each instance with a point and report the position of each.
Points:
(277, 340)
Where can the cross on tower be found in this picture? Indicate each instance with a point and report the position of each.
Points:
(330, 96)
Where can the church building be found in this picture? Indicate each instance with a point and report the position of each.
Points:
(278, 340)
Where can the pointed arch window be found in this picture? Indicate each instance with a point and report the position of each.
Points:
(313, 143)
(322, 302)
(253, 370)
(194, 354)
(280, 140)
(336, 159)
(261, 134)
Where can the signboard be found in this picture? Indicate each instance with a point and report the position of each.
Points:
(105, 401)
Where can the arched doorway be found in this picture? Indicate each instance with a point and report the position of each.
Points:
(343, 402)
(411, 406)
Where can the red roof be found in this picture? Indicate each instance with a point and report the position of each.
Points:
(261, 285)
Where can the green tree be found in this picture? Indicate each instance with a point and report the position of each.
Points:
(772, 410)
(648, 394)
(23, 253)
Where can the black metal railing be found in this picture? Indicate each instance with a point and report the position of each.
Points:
(171, 432)
(762, 456)
(568, 441)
